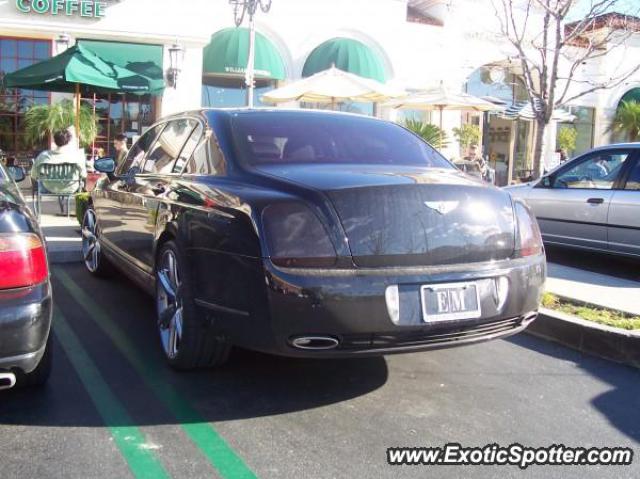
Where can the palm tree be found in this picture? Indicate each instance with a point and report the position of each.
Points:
(44, 120)
(428, 132)
(627, 120)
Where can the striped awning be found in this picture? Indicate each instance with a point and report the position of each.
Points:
(522, 110)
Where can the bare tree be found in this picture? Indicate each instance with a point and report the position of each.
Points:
(551, 51)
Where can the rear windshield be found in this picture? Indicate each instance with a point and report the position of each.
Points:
(269, 138)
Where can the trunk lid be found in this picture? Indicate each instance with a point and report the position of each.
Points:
(420, 224)
(409, 216)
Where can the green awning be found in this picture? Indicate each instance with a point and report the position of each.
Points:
(140, 58)
(348, 55)
(631, 95)
(228, 52)
(78, 66)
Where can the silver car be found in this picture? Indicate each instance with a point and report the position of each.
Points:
(591, 202)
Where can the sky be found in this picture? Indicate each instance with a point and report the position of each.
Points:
(631, 7)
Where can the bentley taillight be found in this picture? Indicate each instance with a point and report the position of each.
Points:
(529, 239)
(296, 237)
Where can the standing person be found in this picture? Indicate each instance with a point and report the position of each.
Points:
(563, 155)
(475, 155)
(120, 145)
(65, 152)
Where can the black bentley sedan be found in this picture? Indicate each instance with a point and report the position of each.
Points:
(25, 290)
(307, 233)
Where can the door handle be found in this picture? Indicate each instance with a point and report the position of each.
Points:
(595, 201)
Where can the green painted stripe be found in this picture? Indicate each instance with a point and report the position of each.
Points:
(130, 441)
(202, 433)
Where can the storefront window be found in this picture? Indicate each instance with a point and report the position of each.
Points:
(481, 85)
(506, 142)
(413, 115)
(16, 54)
(221, 92)
(583, 124)
(119, 113)
(348, 107)
(355, 107)
(510, 90)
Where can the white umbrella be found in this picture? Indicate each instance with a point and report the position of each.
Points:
(332, 86)
(441, 99)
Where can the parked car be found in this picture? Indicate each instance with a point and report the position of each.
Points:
(25, 290)
(591, 202)
(306, 233)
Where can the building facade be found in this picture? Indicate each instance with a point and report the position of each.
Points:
(411, 44)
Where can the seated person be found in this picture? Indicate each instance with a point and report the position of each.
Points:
(65, 152)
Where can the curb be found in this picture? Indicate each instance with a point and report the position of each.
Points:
(613, 344)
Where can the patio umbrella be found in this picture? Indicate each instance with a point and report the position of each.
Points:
(441, 99)
(332, 86)
(79, 69)
(524, 111)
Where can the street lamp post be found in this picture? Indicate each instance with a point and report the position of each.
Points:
(240, 9)
(175, 58)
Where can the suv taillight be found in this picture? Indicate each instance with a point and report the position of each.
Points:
(23, 260)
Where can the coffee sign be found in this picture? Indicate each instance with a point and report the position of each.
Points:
(82, 8)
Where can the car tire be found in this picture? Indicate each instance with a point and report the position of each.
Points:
(92, 256)
(41, 373)
(186, 336)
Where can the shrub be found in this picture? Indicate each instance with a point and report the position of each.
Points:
(627, 120)
(428, 132)
(567, 136)
(82, 201)
(44, 120)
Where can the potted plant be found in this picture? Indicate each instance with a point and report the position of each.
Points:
(467, 135)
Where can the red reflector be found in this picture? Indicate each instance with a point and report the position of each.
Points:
(23, 261)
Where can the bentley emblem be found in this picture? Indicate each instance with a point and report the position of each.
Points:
(442, 207)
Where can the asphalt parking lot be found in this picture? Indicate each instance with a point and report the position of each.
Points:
(113, 409)
(611, 265)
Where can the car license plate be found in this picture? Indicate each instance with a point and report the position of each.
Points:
(447, 302)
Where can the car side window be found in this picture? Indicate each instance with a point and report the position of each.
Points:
(207, 158)
(633, 182)
(188, 149)
(599, 171)
(167, 147)
(133, 161)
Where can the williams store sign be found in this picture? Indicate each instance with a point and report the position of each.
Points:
(69, 8)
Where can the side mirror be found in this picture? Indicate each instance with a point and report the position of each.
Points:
(105, 165)
(17, 173)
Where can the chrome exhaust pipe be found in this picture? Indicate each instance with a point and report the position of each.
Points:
(315, 342)
(7, 380)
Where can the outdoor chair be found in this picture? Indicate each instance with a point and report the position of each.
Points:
(63, 180)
